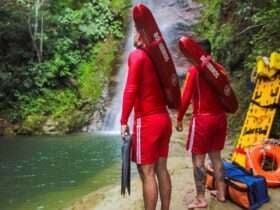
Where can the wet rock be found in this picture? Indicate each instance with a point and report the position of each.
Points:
(171, 3)
(43, 125)
(96, 119)
(7, 128)
(3, 125)
(50, 127)
(184, 3)
(8, 132)
(33, 124)
(86, 106)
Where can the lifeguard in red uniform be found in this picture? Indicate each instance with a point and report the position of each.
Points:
(152, 126)
(207, 131)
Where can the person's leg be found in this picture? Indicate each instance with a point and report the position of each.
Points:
(150, 187)
(199, 172)
(215, 157)
(164, 183)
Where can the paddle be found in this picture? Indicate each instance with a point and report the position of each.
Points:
(125, 179)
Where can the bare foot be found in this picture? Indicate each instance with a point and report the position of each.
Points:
(198, 203)
(218, 196)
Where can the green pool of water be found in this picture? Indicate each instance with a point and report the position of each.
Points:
(53, 172)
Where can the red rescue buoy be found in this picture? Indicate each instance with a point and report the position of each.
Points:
(255, 158)
(158, 51)
(216, 77)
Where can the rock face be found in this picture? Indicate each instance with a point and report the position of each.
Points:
(97, 116)
(3, 125)
(8, 129)
(50, 127)
(37, 124)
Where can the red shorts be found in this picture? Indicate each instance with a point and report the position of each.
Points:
(207, 133)
(151, 136)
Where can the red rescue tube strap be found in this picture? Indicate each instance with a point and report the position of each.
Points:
(240, 150)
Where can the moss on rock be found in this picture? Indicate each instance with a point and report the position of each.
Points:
(33, 124)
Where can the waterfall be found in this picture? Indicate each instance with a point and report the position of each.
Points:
(112, 118)
(175, 18)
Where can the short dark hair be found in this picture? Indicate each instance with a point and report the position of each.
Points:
(205, 44)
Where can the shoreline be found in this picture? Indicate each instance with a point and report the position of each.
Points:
(183, 190)
(109, 197)
(179, 165)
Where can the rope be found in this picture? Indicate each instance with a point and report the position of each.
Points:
(269, 106)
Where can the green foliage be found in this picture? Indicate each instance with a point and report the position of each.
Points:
(15, 53)
(239, 31)
(120, 7)
(59, 108)
(79, 38)
(267, 38)
(68, 35)
(97, 69)
(51, 102)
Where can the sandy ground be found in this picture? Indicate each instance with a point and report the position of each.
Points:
(183, 192)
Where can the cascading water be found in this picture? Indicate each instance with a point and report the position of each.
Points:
(175, 19)
(111, 120)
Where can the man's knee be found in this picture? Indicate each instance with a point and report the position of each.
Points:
(146, 171)
(161, 166)
(215, 156)
(198, 160)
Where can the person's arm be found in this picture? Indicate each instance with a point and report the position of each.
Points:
(135, 65)
(187, 96)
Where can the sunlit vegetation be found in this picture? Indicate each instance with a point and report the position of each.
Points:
(55, 56)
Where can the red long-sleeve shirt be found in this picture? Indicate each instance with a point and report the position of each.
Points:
(197, 89)
(142, 91)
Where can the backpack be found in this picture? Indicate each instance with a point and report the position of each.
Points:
(242, 188)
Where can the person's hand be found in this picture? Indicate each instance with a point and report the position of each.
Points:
(124, 130)
(179, 126)
(205, 60)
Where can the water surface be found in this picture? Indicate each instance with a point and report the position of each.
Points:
(52, 172)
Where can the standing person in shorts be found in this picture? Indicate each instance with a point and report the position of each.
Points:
(207, 131)
(152, 126)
